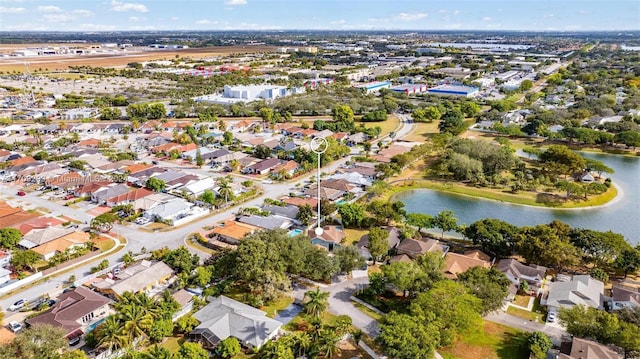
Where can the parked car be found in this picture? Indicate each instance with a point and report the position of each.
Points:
(17, 305)
(142, 220)
(551, 317)
(47, 303)
(69, 196)
(74, 341)
(15, 326)
(21, 193)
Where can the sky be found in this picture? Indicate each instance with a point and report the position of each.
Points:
(124, 15)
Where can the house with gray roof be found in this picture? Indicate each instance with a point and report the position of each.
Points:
(286, 212)
(262, 167)
(140, 277)
(224, 317)
(580, 290)
(269, 222)
(169, 211)
(102, 195)
(38, 237)
(533, 274)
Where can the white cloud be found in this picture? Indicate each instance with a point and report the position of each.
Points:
(82, 12)
(487, 18)
(12, 10)
(548, 16)
(123, 6)
(236, 2)
(456, 12)
(174, 18)
(584, 12)
(203, 22)
(403, 16)
(134, 18)
(143, 28)
(59, 18)
(338, 22)
(48, 9)
(27, 27)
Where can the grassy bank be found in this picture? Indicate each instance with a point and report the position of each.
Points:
(491, 341)
(522, 198)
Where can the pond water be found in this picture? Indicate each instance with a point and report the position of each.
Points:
(620, 216)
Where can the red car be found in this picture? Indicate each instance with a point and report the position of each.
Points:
(21, 193)
(69, 196)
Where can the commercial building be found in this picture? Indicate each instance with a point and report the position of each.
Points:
(234, 94)
(373, 86)
(410, 89)
(454, 90)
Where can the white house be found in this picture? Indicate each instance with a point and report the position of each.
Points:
(169, 211)
(581, 290)
(198, 187)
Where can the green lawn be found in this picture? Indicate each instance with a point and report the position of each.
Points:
(538, 313)
(172, 344)
(353, 235)
(279, 304)
(368, 311)
(492, 341)
(387, 126)
(522, 300)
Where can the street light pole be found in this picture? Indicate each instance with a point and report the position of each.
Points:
(319, 145)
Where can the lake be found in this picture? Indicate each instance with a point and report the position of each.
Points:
(621, 216)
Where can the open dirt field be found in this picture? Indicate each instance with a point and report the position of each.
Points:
(120, 59)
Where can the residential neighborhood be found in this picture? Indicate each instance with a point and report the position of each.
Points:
(318, 194)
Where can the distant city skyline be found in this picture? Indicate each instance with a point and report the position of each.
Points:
(141, 15)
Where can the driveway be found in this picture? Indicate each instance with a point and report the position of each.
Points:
(554, 331)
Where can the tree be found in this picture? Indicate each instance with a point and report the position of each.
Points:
(494, 236)
(327, 207)
(352, 214)
(103, 222)
(224, 188)
(186, 323)
(190, 350)
(560, 159)
(304, 215)
(136, 321)
(24, 259)
(155, 184)
(456, 310)
(316, 302)
(157, 352)
(160, 329)
(342, 113)
(526, 85)
(74, 354)
(262, 151)
(9, 238)
(543, 245)
(386, 211)
(628, 261)
(403, 276)
(110, 335)
(404, 337)
(202, 276)
(39, 341)
(227, 138)
(445, 221)
(208, 196)
(199, 159)
(420, 220)
(378, 242)
(228, 347)
(348, 258)
(539, 344)
(452, 122)
(489, 285)
(267, 114)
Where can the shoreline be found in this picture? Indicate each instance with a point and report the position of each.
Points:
(617, 198)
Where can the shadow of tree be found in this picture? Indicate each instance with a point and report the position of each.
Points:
(513, 346)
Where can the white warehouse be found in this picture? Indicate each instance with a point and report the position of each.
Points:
(233, 94)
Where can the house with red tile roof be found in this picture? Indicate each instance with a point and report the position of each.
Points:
(129, 197)
(22, 161)
(289, 168)
(37, 223)
(89, 143)
(166, 148)
(458, 263)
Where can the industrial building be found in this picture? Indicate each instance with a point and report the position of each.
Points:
(234, 94)
(373, 86)
(454, 90)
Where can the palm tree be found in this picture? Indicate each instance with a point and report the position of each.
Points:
(224, 189)
(157, 352)
(302, 342)
(317, 302)
(135, 321)
(329, 340)
(110, 334)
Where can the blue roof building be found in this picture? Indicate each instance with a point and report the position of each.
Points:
(454, 90)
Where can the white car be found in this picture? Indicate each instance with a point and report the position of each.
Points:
(15, 326)
(17, 305)
(551, 317)
(142, 220)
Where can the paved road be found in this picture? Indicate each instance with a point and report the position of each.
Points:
(340, 304)
(136, 240)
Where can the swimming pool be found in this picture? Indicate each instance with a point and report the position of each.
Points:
(295, 232)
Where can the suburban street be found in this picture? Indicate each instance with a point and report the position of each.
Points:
(138, 239)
